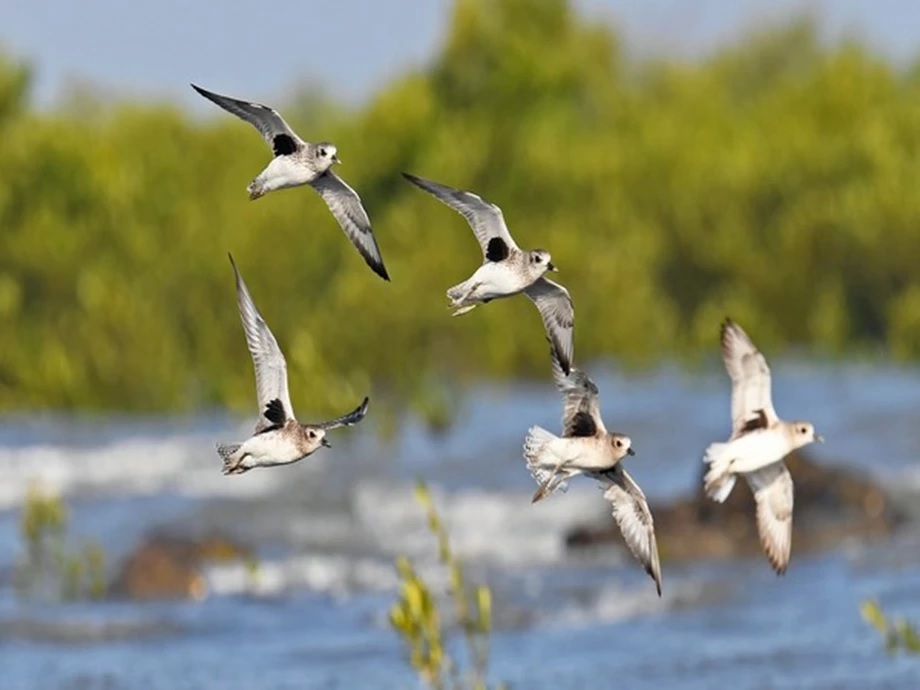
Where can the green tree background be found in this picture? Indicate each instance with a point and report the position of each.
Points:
(775, 180)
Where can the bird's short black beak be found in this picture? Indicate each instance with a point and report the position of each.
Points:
(326, 443)
(551, 267)
(630, 451)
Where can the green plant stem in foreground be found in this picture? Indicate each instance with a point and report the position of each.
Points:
(900, 634)
(416, 617)
(50, 567)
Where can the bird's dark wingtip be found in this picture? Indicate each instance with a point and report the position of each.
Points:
(656, 577)
(377, 267)
(558, 353)
(416, 180)
(236, 271)
(360, 412)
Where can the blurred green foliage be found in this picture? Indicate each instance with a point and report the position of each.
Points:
(50, 567)
(417, 619)
(774, 181)
(900, 635)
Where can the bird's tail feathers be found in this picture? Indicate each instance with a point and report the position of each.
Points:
(256, 188)
(456, 292)
(229, 453)
(535, 446)
(459, 296)
(541, 462)
(719, 480)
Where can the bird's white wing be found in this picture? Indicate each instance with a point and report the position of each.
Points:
(632, 515)
(772, 487)
(348, 210)
(558, 314)
(486, 219)
(750, 377)
(353, 417)
(267, 358)
(276, 132)
(581, 413)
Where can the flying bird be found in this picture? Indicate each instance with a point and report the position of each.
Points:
(279, 439)
(506, 269)
(586, 447)
(759, 442)
(297, 162)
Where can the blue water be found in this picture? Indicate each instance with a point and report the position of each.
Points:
(327, 530)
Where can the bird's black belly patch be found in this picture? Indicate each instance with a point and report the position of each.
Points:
(582, 425)
(497, 250)
(283, 144)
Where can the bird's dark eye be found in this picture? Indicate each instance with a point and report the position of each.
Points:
(322, 152)
(312, 434)
(803, 430)
(618, 443)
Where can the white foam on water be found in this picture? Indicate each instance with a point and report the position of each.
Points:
(184, 463)
(613, 602)
(488, 527)
(906, 480)
(337, 574)
(352, 547)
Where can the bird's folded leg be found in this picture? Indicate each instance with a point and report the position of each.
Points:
(464, 310)
(552, 481)
(461, 300)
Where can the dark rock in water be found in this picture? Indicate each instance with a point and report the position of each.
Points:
(831, 505)
(167, 566)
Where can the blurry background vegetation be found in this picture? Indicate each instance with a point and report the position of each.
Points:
(775, 181)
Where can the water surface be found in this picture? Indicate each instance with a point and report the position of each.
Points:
(327, 530)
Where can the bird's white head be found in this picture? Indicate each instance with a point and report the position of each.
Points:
(804, 433)
(622, 445)
(541, 260)
(326, 155)
(317, 438)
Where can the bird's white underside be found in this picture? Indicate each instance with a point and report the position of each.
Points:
(494, 280)
(577, 453)
(757, 449)
(285, 171)
(270, 448)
